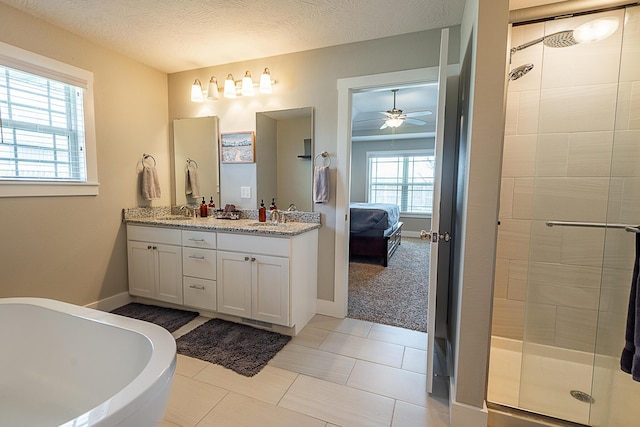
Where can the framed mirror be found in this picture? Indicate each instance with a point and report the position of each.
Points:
(284, 157)
(196, 164)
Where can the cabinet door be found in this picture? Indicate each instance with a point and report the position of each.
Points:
(141, 269)
(234, 283)
(270, 289)
(168, 273)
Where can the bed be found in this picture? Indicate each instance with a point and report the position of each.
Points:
(376, 231)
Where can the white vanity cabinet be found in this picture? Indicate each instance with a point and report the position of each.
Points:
(155, 263)
(268, 279)
(199, 265)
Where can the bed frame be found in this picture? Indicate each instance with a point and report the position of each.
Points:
(376, 247)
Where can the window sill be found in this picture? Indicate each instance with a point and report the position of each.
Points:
(415, 215)
(47, 189)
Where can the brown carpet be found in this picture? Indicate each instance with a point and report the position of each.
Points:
(169, 318)
(395, 295)
(243, 349)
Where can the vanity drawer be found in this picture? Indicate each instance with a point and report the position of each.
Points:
(199, 263)
(199, 293)
(274, 246)
(143, 233)
(199, 239)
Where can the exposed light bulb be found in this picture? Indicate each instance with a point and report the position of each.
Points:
(229, 87)
(196, 92)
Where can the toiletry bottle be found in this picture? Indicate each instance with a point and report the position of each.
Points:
(262, 212)
(203, 209)
(211, 209)
(273, 205)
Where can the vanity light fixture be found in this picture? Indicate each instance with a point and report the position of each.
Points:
(232, 88)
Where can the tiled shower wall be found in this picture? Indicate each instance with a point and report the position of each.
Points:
(561, 164)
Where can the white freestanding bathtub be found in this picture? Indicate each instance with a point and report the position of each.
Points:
(62, 364)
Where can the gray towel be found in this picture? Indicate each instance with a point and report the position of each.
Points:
(150, 183)
(630, 358)
(321, 184)
(192, 182)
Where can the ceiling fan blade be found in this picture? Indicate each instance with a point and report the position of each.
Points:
(370, 120)
(418, 113)
(384, 125)
(415, 121)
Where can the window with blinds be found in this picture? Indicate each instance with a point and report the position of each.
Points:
(402, 178)
(42, 128)
(47, 129)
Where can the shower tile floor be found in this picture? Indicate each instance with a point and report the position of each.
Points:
(548, 375)
(336, 372)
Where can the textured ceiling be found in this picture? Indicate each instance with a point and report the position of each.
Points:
(173, 36)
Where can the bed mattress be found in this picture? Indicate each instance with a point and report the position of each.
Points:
(373, 216)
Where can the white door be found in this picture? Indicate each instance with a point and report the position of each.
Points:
(436, 236)
(234, 283)
(270, 289)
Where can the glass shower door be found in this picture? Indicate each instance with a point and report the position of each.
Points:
(569, 192)
(615, 394)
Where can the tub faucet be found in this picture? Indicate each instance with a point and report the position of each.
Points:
(191, 211)
(275, 216)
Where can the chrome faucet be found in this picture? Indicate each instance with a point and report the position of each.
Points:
(275, 216)
(292, 208)
(189, 209)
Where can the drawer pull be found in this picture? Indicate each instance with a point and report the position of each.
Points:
(196, 240)
(196, 257)
(200, 288)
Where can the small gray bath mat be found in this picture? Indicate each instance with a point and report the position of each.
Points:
(243, 349)
(169, 318)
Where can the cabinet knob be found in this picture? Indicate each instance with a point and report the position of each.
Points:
(246, 258)
(253, 259)
(148, 246)
(155, 248)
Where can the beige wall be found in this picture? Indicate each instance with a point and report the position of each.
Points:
(306, 79)
(73, 248)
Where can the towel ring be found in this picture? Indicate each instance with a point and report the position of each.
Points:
(325, 156)
(145, 156)
(192, 161)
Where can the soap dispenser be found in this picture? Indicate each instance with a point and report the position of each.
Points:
(262, 212)
(203, 209)
(211, 209)
(273, 205)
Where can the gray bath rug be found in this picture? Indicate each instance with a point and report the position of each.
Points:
(396, 295)
(169, 318)
(243, 349)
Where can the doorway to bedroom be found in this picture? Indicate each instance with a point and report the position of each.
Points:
(391, 193)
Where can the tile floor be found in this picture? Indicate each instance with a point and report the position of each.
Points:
(336, 372)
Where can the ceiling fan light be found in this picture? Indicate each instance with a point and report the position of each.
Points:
(196, 92)
(229, 87)
(394, 122)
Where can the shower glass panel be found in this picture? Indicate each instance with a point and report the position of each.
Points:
(563, 210)
(615, 394)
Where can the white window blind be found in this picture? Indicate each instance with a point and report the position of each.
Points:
(47, 136)
(42, 128)
(402, 178)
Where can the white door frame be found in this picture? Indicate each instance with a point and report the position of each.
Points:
(346, 87)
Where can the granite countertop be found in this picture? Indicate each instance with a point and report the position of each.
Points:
(225, 225)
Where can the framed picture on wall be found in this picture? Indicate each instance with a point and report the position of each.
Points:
(238, 147)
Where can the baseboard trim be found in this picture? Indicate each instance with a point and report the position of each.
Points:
(112, 302)
(463, 415)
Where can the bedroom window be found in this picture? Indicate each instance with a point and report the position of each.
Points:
(402, 178)
(47, 143)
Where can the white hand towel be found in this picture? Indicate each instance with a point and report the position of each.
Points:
(192, 182)
(150, 183)
(321, 184)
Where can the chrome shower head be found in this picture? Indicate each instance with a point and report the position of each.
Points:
(560, 39)
(520, 71)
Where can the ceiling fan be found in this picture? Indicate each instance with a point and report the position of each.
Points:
(395, 117)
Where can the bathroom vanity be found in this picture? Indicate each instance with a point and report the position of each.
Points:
(256, 273)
